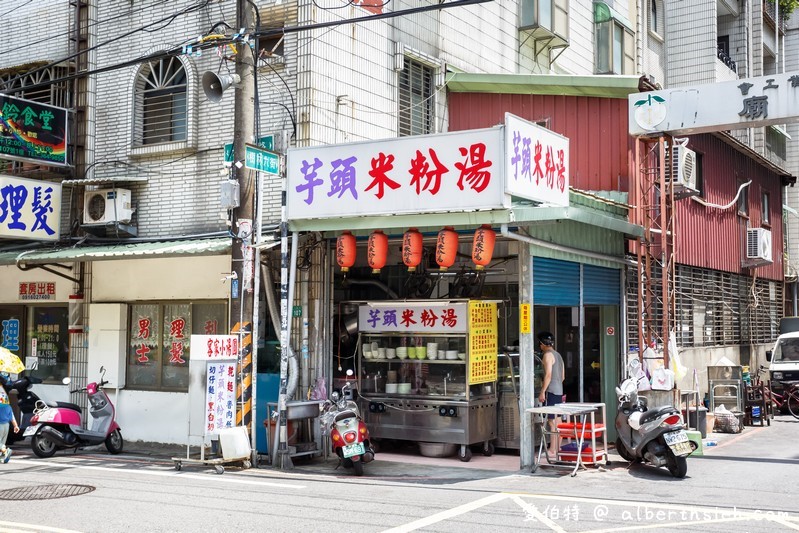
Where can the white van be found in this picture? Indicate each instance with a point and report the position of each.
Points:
(784, 358)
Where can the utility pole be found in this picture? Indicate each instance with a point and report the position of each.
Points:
(243, 265)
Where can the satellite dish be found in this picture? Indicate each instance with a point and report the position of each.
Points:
(214, 85)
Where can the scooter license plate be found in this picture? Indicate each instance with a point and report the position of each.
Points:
(30, 430)
(354, 449)
(678, 442)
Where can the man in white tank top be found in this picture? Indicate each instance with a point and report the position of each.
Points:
(552, 387)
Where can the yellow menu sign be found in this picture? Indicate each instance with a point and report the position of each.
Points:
(483, 343)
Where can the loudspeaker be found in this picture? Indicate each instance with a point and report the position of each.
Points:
(214, 86)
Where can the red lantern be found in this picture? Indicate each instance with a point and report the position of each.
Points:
(446, 247)
(412, 249)
(345, 250)
(483, 246)
(377, 251)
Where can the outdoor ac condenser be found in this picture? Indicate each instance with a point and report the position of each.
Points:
(758, 244)
(104, 206)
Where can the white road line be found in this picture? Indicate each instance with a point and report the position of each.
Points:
(18, 527)
(216, 478)
(450, 513)
(532, 511)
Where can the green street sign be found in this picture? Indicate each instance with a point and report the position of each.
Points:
(256, 158)
(267, 142)
(296, 311)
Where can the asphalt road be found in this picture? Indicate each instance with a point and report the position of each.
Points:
(747, 483)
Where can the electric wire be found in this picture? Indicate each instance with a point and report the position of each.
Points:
(14, 9)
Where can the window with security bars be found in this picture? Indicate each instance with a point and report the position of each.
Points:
(416, 102)
(715, 308)
(161, 103)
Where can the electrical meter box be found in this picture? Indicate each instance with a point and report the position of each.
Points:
(229, 194)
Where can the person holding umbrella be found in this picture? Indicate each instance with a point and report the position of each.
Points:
(9, 363)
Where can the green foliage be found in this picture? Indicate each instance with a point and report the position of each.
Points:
(788, 6)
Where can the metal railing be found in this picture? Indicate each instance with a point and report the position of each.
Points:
(726, 59)
(770, 12)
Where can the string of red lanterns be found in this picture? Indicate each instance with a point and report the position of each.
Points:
(446, 249)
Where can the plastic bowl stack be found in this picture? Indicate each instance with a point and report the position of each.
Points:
(402, 352)
(451, 355)
(432, 350)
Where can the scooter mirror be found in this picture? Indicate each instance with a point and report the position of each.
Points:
(66, 381)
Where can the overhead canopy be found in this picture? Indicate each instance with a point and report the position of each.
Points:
(107, 252)
(583, 207)
(611, 86)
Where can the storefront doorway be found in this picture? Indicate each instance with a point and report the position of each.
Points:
(583, 369)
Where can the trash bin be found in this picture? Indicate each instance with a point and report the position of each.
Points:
(697, 422)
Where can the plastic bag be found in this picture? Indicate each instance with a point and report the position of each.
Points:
(320, 390)
(675, 363)
(662, 379)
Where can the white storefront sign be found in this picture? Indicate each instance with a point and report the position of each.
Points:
(746, 103)
(536, 162)
(220, 353)
(29, 209)
(460, 171)
(433, 317)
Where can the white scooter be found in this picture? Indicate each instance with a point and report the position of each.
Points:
(656, 436)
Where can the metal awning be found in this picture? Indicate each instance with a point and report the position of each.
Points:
(610, 86)
(584, 208)
(103, 181)
(107, 252)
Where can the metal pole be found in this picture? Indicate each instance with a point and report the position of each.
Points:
(282, 457)
(241, 308)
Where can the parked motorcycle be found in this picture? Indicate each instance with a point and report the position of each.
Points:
(656, 436)
(26, 403)
(59, 427)
(349, 436)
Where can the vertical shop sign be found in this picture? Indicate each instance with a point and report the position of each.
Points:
(524, 318)
(220, 353)
(483, 342)
(11, 334)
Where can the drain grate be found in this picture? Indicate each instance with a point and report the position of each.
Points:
(45, 492)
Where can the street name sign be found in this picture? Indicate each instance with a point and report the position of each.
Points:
(257, 158)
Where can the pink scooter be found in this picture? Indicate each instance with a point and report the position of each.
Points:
(59, 425)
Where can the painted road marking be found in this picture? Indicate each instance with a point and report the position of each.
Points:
(451, 513)
(633, 516)
(17, 527)
(231, 480)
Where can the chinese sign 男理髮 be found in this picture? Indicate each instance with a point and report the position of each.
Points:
(433, 317)
(29, 209)
(31, 131)
(536, 162)
(459, 171)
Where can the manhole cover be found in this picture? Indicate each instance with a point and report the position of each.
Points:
(45, 492)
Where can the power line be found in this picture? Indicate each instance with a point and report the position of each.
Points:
(264, 33)
(93, 24)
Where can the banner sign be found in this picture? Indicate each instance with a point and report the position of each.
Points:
(483, 343)
(433, 317)
(29, 209)
(536, 162)
(221, 355)
(745, 103)
(451, 172)
(30, 131)
(36, 290)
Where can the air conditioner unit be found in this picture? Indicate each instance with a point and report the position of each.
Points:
(758, 244)
(681, 171)
(105, 206)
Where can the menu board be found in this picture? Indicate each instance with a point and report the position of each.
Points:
(221, 355)
(483, 343)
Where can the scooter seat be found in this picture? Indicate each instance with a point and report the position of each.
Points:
(346, 414)
(65, 405)
(655, 413)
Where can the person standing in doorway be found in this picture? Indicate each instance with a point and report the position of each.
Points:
(552, 386)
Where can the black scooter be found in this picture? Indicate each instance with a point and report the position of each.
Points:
(26, 401)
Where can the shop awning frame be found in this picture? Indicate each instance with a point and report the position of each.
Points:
(109, 252)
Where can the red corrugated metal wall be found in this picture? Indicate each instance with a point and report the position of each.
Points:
(596, 128)
(600, 149)
(714, 238)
